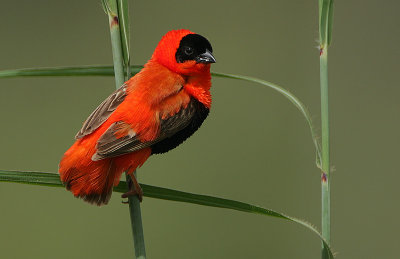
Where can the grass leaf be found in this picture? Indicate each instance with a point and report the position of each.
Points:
(325, 21)
(64, 71)
(53, 180)
(109, 71)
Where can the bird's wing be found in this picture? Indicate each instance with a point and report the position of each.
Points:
(102, 112)
(120, 139)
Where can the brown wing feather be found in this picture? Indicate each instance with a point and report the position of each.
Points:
(102, 112)
(109, 145)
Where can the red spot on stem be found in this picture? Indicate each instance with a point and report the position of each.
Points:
(321, 50)
(323, 177)
(115, 21)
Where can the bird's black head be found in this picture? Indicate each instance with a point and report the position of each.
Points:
(194, 47)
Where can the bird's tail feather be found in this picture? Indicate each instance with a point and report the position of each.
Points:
(93, 180)
(92, 183)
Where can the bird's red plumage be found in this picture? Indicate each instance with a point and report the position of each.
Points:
(160, 90)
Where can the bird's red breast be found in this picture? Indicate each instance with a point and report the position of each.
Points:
(153, 112)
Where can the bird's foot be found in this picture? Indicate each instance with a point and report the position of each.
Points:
(133, 192)
(134, 189)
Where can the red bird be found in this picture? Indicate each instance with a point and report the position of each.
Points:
(152, 113)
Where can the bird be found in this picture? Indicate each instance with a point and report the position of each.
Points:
(153, 112)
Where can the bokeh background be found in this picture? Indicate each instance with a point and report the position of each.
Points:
(254, 147)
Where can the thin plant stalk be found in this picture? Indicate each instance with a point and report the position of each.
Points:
(134, 203)
(118, 17)
(325, 178)
(110, 7)
(325, 36)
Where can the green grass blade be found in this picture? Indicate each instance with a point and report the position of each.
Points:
(35, 178)
(109, 71)
(53, 180)
(325, 21)
(292, 98)
(330, 22)
(63, 71)
(323, 8)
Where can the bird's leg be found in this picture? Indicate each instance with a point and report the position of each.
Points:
(134, 188)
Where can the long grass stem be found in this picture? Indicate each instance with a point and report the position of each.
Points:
(118, 18)
(116, 45)
(325, 37)
(325, 178)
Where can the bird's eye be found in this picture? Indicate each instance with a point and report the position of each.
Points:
(188, 51)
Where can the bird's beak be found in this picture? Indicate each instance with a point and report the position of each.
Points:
(206, 57)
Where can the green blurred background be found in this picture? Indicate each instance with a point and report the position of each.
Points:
(254, 147)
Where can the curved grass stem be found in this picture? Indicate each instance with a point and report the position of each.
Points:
(109, 71)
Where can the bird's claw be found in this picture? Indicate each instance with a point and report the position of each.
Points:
(134, 192)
